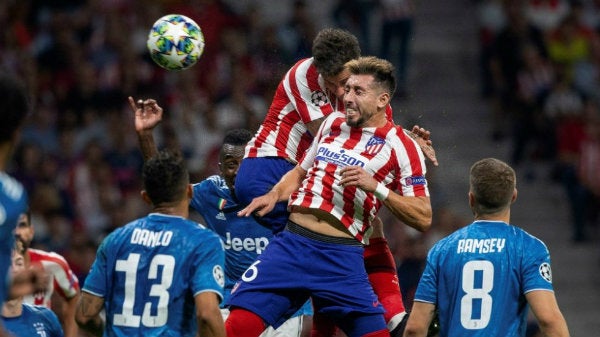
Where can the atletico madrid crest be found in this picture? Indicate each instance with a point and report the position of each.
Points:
(374, 145)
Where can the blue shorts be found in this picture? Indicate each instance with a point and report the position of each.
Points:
(298, 264)
(256, 177)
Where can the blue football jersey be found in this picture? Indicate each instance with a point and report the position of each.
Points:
(13, 202)
(479, 275)
(149, 271)
(35, 321)
(243, 237)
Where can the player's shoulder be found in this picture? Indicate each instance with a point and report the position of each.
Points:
(12, 193)
(42, 255)
(335, 117)
(303, 70)
(10, 186)
(214, 181)
(528, 239)
(38, 310)
(192, 228)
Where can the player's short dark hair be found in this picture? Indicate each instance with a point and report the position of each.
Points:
(14, 106)
(332, 48)
(237, 137)
(381, 70)
(165, 177)
(492, 183)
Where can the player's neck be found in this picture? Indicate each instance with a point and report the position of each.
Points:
(12, 308)
(503, 216)
(377, 121)
(172, 209)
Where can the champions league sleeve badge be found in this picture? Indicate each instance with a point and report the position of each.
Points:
(546, 272)
(319, 98)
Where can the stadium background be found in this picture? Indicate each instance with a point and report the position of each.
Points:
(79, 158)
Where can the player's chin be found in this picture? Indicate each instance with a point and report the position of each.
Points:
(353, 121)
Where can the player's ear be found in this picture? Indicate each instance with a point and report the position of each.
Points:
(190, 191)
(514, 196)
(146, 198)
(383, 100)
(471, 199)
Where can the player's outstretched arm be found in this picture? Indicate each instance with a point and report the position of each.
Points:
(87, 314)
(210, 320)
(147, 115)
(545, 309)
(289, 183)
(68, 316)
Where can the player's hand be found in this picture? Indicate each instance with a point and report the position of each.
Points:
(357, 176)
(260, 206)
(423, 138)
(28, 281)
(148, 114)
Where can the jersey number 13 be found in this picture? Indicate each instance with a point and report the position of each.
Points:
(160, 290)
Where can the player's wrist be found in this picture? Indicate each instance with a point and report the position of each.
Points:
(381, 191)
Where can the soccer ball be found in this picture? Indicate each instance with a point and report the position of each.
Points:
(175, 42)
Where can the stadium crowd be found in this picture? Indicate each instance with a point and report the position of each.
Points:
(540, 66)
(79, 159)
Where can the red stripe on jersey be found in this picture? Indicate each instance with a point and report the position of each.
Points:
(296, 103)
(415, 162)
(61, 276)
(337, 145)
(301, 107)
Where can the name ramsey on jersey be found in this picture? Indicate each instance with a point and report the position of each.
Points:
(495, 245)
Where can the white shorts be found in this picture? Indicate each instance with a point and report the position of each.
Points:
(290, 328)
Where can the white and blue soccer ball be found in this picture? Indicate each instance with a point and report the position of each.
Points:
(175, 42)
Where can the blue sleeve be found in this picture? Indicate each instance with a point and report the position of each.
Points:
(200, 190)
(427, 289)
(209, 261)
(536, 270)
(95, 282)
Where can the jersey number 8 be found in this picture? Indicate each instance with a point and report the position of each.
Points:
(474, 294)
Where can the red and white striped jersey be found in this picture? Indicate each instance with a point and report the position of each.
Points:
(387, 153)
(300, 98)
(61, 277)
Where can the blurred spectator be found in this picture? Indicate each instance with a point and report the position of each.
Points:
(297, 34)
(588, 13)
(507, 61)
(355, 16)
(534, 81)
(397, 26)
(491, 20)
(546, 15)
(564, 108)
(570, 44)
(587, 167)
(91, 189)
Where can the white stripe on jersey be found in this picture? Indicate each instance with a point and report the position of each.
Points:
(60, 275)
(299, 99)
(399, 164)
